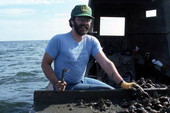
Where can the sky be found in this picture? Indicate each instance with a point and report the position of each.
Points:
(35, 19)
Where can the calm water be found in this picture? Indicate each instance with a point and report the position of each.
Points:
(20, 74)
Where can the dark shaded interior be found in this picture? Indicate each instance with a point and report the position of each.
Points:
(151, 35)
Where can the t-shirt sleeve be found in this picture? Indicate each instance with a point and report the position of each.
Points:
(96, 46)
(53, 47)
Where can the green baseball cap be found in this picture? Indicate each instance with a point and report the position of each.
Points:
(82, 10)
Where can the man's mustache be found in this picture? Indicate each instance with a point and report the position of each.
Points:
(83, 25)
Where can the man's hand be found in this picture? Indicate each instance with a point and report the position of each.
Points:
(126, 85)
(60, 86)
(136, 88)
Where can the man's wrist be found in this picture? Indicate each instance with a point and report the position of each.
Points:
(55, 83)
(120, 82)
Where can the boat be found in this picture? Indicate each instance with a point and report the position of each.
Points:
(141, 48)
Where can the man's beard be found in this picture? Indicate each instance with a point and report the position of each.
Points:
(81, 29)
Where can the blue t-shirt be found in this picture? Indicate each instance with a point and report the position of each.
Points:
(67, 53)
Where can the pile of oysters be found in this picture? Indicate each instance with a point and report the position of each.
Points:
(149, 84)
(101, 104)
(143, 102)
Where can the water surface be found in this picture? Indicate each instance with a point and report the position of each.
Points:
(20, 74)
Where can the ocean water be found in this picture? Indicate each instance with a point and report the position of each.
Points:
(20, 74)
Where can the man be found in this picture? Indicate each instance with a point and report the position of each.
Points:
(72, 51)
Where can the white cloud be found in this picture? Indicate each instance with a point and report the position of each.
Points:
(42, 22)
(61, 14)
(16, 12)
(84, 1)
(77, 1)
(33, 30)
(28, 2)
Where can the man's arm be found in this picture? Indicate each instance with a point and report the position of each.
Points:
(49, 73)
(108, 67)
(111, 70)
(47, 69)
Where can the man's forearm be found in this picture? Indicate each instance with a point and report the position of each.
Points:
(108, 66)
(49, 73)
(117, 78)
(111, 70)
(115, 75)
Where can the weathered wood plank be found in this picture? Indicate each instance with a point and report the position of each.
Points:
(54, 97)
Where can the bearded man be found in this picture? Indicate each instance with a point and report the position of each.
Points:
(72, 51)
